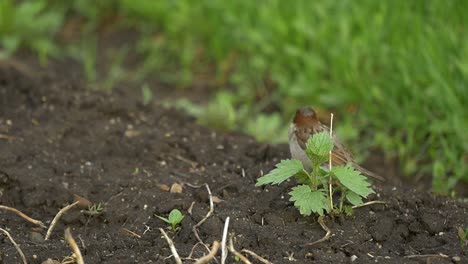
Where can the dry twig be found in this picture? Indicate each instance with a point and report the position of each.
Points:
(74, 246)
(171, 246)
(210, 256)
(440, 255)
(129, 232)
(27, 218)
(235, 252)
(7, 137)
(325, 227)
(223, 241)
(253, 254)
(67, 260)
(190, 162)
(57, 217)
(15, 245)
(330, 188)
(369, 203)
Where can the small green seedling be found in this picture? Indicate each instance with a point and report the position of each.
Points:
(175, 218)
(315, 192)
(94, 210)
(147, 94)
(463, 235)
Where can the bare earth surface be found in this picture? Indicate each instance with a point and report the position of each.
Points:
(58, 138)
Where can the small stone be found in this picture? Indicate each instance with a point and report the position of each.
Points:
(50, 261)
(456, 259)
(131, 133)
(176, 188)
(36, 237)
(83, 203)
(217, 200)
(433, 222)
(164, 187)
(353, 258)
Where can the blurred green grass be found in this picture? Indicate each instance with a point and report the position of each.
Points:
(394, 72)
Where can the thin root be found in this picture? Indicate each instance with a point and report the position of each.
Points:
(15, 245)
(194, 228)
(57, 217)
(171, 246)
(27, 218)
(74, 246)
(193, 250)
(325, 227)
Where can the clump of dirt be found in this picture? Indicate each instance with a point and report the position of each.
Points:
(59, 138)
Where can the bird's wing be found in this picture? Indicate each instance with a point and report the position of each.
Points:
(340, 154)
(302, 135)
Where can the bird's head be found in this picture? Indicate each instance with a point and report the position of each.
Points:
(305, 116)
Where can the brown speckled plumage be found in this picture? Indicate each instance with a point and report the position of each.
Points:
(305, 124)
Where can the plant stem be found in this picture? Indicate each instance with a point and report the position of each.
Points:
(311, 180)
(315, 176)
(342, 197)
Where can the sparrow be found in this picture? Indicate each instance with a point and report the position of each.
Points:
(304, 125)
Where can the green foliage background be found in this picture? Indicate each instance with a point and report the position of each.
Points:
(395, 72)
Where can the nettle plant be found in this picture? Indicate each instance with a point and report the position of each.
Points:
(316, 188)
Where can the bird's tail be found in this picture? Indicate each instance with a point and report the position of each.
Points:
(368, 173)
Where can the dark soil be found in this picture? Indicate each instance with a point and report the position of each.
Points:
(58, 138)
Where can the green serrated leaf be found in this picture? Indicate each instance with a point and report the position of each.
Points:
(320, 144)
(318, 147)
(309, 201)
(352, 180)
(353, 198)
(348, 210)
(284, 170)
(303, 177)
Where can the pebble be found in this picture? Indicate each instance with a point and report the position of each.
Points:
(36, 237)
(50, 261)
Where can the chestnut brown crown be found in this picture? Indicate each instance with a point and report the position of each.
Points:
(305, 116)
